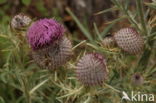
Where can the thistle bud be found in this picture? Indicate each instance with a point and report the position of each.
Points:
(54, 55)
(129, 40)
(137, 79)
(108, 42)
(20, 22)
(91, 69)
(50, 48)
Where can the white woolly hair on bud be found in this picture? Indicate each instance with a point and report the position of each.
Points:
(20, 21)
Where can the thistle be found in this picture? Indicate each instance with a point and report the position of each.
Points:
(129, 40)
(20, 22)
(91, 69)
(137, 79)
(50, 48)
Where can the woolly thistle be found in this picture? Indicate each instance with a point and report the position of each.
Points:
(91, 69)
(44, 32)
(129, 40)
(137, 79)
(50, 49)
(54, 55)
(20, 22)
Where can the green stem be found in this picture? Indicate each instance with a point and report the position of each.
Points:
(141, 15)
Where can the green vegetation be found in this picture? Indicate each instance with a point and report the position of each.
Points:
(23, 81)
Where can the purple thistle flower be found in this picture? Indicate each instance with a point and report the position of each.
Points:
(51, 49)
(44, 32)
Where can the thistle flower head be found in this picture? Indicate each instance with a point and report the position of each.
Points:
(55, 55)
(91, 69)
(20, 21)
(129, 40)
(44, 32)
(137, 79)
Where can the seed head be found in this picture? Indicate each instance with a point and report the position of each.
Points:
(91, 69)
(129, 40)
(137, 79)
(20, 22)
(55, 55)
(44, 32)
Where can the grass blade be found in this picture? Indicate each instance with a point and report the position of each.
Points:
(112, 23)
(107, 10)
(82, 28)
(97, 32)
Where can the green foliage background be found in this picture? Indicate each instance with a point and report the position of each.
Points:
(22, 81)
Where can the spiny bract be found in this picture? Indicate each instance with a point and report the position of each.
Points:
(91, 69)
(55, 55)
(129, 40)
